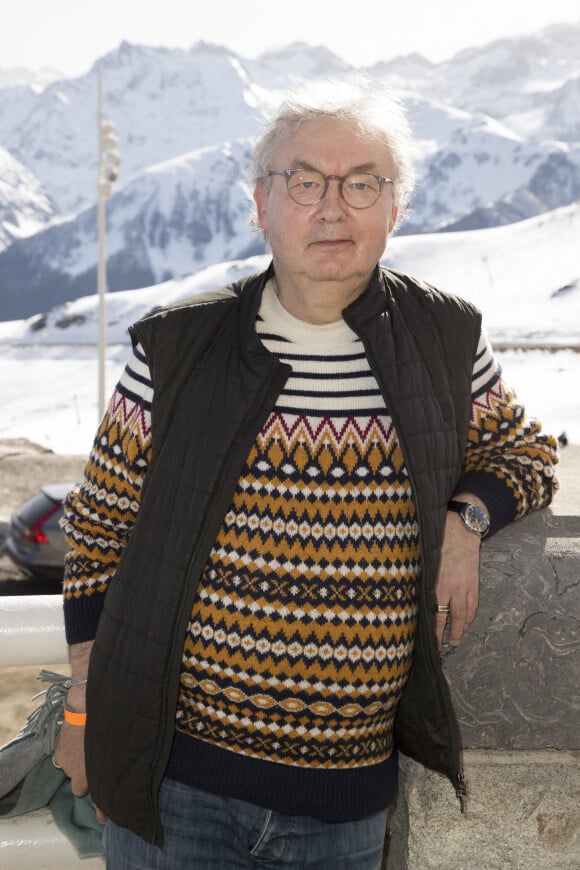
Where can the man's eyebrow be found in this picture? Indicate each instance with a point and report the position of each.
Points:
(365, 167)
(303, 164)
(297, 163)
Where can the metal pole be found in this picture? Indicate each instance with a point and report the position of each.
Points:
(101, 263)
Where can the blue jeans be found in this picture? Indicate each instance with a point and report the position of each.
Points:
(207, 832)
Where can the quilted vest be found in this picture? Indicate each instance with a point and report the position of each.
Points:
(214, 386)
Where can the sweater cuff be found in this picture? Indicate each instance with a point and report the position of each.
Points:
(81, 617)
(498, 497)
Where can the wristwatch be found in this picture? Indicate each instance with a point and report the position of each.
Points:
(474, 517)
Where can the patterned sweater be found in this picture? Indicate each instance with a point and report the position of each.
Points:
(301, 634)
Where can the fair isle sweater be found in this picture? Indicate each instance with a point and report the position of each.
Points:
(301, 634)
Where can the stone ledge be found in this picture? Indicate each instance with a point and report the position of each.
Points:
(522, 813)
(514, 681)
(514, 678)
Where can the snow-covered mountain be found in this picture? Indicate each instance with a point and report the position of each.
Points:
(503, 78)
(497, 127)
(25, 206)
(481, 163)
(293, 64)
(37, 79)
(525, 299)
(171, 219)
(48, 363)
(164, 102)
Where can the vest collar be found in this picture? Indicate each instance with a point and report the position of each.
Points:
(372, 303)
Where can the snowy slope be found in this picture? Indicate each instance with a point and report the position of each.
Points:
(525, 277)
(278, 69)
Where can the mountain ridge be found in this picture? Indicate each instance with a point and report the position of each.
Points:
(476, 169)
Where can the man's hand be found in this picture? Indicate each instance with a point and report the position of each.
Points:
(69, 754)
(69, 751)
(457, 584)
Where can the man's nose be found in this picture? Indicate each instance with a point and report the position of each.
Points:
(332, 205)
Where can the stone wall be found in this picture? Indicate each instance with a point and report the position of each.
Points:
(515, 684)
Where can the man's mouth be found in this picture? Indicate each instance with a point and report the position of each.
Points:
(330, 243)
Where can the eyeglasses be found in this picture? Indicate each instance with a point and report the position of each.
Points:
(358, 189)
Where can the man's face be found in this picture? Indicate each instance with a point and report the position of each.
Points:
(328, 242)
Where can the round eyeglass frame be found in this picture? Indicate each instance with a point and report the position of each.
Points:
(288, 173)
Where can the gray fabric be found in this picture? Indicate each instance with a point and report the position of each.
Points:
(45, 786)
(17, 759)
(29, 780)
(37, 738)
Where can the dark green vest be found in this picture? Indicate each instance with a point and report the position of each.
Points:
(214, 386)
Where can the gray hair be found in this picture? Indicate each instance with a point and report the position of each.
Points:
(367, 106)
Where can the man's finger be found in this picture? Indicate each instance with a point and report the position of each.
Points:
(78, 784)
(440, 623)
(457, 627)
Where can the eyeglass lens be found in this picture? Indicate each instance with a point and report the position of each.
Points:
(359, 189)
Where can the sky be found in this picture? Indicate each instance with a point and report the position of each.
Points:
(69, 35)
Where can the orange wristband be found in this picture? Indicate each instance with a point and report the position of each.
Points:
(74, 718)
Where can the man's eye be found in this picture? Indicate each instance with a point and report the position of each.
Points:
(306, 181)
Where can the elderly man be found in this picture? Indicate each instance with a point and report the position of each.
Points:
(282, 511)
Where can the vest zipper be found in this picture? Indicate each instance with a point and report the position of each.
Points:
(456, 774)
(461, 789)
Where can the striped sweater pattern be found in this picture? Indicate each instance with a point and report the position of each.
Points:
(300, 639)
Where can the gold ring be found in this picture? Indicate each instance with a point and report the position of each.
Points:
(443, 608)
(54, 764)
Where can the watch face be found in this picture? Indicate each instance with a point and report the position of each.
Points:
(476, 519)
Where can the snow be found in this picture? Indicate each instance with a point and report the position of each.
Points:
(51, 399)
(510, 272)
(186, 120)
(169, 195)
(547, 383)
(48, 375)
(485, 151)
(37, 80)
(24, 204)
(163, 102)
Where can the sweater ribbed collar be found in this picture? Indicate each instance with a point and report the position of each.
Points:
(320, 338)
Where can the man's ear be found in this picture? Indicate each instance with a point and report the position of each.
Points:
(393, 218)
(261, 200)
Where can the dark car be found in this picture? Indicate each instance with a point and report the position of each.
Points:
(35, 541)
